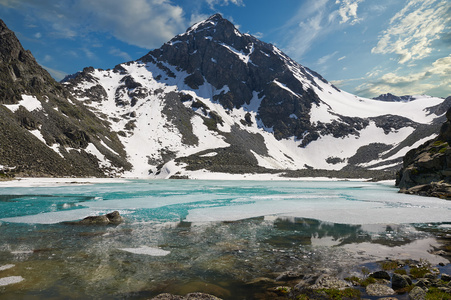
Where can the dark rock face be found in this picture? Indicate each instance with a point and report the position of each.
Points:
(427, 169)
(217, 52)
(392, 98)
(63, 122)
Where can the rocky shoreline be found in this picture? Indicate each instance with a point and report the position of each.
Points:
(392, 279)
(427, 169)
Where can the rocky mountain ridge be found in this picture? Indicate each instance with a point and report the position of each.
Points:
(44, 131)
(226, 101)
(212, 99)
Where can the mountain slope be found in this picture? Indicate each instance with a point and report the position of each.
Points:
(44, 131)
(215, 99)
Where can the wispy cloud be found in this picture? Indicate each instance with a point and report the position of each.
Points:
(433, 79)
(323, 60)
(57, 74)
(348, 11)
(305, 27)
(413, 29)
(213, 3)
(120, 53)
(315, 19)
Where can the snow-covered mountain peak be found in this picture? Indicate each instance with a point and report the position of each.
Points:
(213, 98)
(211, 22)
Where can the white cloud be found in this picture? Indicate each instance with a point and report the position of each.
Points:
(413, 29)
(433, 79)
(258, 35)
(341, 58)
(305, 27)
(144, 23)
(212, 3)
(348, 11)
(314, 20)
(442, 67)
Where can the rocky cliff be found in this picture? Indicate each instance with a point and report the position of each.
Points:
(44, 130)
(427, 169)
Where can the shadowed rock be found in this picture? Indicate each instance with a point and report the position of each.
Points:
(113, 218)
(427, 169)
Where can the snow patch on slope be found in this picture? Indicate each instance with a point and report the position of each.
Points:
(30, 103)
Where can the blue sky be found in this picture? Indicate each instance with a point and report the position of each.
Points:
(366, 47)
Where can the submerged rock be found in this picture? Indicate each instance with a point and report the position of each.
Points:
(417, 293)
(377, 289)
(329, 282)
(113, 218)
(190, 296)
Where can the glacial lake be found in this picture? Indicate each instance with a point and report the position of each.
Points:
(182, 236)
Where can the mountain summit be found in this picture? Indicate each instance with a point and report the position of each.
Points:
(213, 99)
(246, 69)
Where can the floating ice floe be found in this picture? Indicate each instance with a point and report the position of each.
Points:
(6, 267)
(10, 280)
(147, 251)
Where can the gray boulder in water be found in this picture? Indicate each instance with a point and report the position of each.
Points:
(113, 218)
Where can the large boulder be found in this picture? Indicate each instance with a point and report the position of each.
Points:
(113, 218)
(399, 281)
(377, 289)
(427, 169)
(417, 293)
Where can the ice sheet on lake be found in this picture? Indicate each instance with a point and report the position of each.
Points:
(10, 280)
(212, 201)
(6, 267)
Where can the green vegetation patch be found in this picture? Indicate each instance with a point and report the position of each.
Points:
(436, 294)
(419, 272)
(336, 294)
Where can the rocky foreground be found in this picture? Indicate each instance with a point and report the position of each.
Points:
(393, 280)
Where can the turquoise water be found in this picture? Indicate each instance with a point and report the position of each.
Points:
(183, 236)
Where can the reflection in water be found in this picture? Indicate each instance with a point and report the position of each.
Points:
(219, 257)
(235, 235)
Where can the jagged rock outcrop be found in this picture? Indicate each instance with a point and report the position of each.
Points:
(393, 98)
(112, 218)
(44, 130)
(427, 169)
